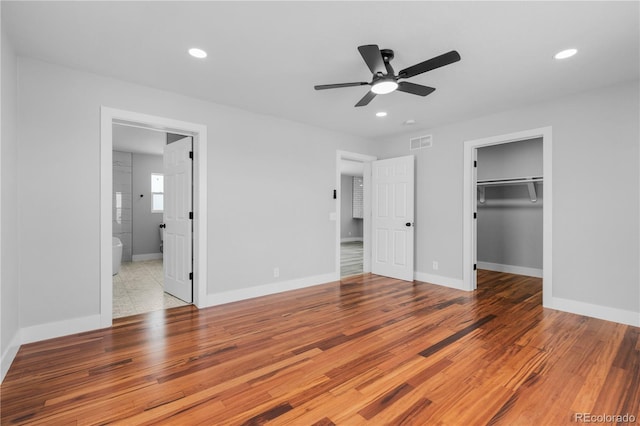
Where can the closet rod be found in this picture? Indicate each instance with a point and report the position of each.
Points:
(529, 181)
(510, 181)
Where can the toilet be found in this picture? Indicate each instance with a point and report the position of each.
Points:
(117, 255)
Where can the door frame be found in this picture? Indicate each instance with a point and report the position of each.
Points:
(109, 116)
(470, 197)
(366, 220)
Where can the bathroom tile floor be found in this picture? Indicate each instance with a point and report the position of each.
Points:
(138, 288)
(351, 255)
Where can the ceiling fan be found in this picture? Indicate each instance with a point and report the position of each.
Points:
(384, 79)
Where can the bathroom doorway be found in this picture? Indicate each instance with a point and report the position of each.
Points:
(192, 269)
(138, 226)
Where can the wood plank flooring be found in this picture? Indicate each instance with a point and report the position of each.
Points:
(369, 350)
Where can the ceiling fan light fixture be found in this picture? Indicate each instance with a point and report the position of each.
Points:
(383, 87)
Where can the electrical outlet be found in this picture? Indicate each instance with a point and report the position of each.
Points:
(276, 272)
(435, 265)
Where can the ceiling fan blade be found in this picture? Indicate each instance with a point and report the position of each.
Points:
(337, 86)
(414, 89)
(373, 58)
(430, 64)
(366, 99)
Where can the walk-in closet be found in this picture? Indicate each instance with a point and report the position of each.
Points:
(510, 185)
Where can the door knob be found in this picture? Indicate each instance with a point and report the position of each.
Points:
(409, 224)
(162, 225)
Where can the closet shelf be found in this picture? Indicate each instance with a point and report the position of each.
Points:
(529, 181)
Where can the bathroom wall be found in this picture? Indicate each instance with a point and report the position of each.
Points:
(122, 203)
(350, 228)
(146, 234)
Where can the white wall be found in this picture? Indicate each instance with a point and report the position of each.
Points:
(595, 193)
(9, 279)
(146, 231)
(270, 185)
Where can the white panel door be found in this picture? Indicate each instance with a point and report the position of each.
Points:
(392, 217)
(177, 257)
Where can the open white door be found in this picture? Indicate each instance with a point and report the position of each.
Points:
(177, 209)
(392, 217)
(474, 230)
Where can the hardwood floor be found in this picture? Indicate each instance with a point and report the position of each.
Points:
(372, 350)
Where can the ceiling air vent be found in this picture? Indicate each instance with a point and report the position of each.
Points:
(420, 142)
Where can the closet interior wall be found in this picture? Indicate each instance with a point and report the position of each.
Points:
(509, 224)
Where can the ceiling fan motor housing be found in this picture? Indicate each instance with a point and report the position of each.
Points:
(387, 56)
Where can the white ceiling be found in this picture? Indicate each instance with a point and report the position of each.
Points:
(138, 140)
(267, 56)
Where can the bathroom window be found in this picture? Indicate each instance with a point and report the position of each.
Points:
(157, 192)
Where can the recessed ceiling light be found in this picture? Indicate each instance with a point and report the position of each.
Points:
(566, 54)
(381, 114)
(197, 53)
(409, 122)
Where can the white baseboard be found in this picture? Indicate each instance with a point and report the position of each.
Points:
(46, 331)
(9, 355)
(511, 269)
(264, 290)
(440, 280)
(595, 311)
(350, 239)
(146, 256)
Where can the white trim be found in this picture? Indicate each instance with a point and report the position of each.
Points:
(456, 283)
(469, 200)
(9, 355)
(595, 311)
(366, 220)
(511, 269)
(146, 256)
(51, 330)
(199, 133)
(266, 289)
(351, 239)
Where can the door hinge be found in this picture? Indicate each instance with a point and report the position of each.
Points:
(475, 215)
(191, 275)
(475, 267)
(190, 215)
(475, 163)
(335, 194)
(191, 154)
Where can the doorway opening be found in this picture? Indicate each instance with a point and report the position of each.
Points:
(353, 213)
(477, 204)
(141, 201)
(192, 269)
